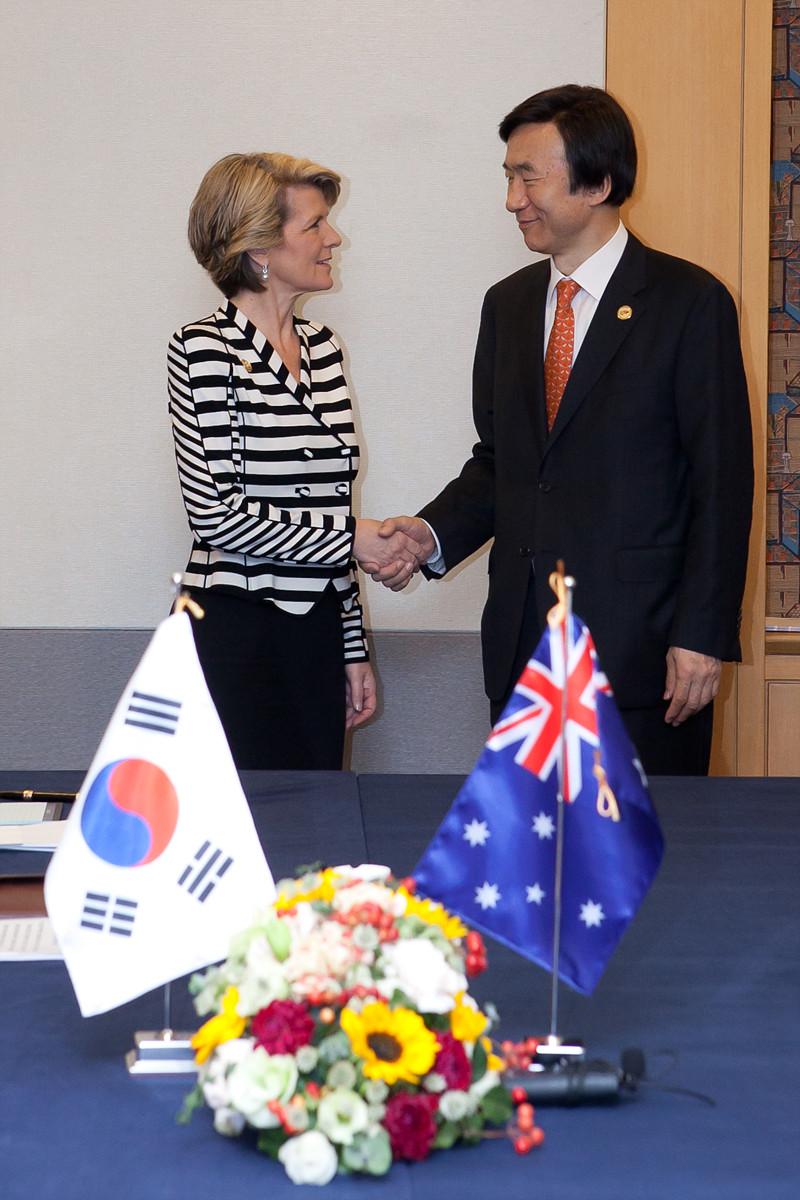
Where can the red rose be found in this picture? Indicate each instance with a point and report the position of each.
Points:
(282, 1027)
(410, 1125)
(452, 1062)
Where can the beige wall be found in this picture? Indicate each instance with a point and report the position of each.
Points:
(112, 110)
(695, 76)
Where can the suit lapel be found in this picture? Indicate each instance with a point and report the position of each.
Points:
(529, 315)
(610, 326)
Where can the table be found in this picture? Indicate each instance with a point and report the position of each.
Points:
(706, 982)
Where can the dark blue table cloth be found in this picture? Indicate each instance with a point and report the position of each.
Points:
(706, 982)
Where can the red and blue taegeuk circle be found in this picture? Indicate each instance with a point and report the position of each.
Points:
(130, 812)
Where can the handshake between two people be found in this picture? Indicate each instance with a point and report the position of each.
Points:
(392, 551)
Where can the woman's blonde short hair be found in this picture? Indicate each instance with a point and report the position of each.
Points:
(241, 205)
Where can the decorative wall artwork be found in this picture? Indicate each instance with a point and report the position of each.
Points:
(783, 428)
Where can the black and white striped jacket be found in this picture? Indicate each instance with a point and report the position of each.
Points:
(266, 465)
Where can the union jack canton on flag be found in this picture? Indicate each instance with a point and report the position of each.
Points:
(492, 860)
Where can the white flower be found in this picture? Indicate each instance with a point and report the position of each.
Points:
(213, 1076)
(303, 920)
(309, 1158)
(263, 978)
(306, 1058)
(419, 969)
(434, 1082)
(318, 962)
(456, 1105)
(259, 1078)
(368, 872)
(353, 895)
(228, 1122)
(485, 1084)
(341, 1115)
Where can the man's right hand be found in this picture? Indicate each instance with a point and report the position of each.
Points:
(396, 576)
(390, 555)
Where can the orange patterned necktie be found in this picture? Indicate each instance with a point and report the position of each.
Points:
(558, 359)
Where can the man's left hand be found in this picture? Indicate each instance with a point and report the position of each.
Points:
(692, 683)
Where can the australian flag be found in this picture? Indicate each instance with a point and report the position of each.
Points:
(492, 859)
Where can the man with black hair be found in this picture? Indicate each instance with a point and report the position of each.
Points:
(613, 429)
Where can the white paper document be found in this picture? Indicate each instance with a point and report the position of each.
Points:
(27, 939)
(44, 836)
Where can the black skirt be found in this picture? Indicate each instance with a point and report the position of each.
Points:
(277, 680)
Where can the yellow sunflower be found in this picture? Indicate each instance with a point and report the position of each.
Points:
(393, 1044)
(433, 914)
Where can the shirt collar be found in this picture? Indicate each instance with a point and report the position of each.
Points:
(593, 274)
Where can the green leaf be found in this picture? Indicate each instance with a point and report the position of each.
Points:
(270, 1141)
(400, 1000)
(279, 938)
(194, 1099)
(354, 1156)
(496, 1106)
(379, 1153)
(446, 1136)
(438, 1022)
(471, 1129)
(478, 1062)
(313, 868)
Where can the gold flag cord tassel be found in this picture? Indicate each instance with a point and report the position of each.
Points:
(558, 582)
(185, 603)
(606, 800)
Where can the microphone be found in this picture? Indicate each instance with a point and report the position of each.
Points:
(569, 1084)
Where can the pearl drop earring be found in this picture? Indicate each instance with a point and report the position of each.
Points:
(265, 272)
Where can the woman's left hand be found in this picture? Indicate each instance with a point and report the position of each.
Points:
(360, 693)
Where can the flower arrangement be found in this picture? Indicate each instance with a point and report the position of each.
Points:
(343, 1031)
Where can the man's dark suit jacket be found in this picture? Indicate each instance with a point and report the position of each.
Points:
(643, 486)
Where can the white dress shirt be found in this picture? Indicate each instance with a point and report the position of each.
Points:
(593, 277)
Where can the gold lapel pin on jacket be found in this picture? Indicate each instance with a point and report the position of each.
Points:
(249, 366)
(624, 312)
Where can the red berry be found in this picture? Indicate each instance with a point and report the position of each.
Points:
(523, 1144)
(474, 941)
(410, 884)
(537, 1136)
(519, 1095)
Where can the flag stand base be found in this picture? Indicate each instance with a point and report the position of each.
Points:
(164, 1053)
(552, 1050)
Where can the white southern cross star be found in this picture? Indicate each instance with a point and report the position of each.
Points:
(487, 895)
(592, 914)
(535, 894)
(543, 825)
(476, 832)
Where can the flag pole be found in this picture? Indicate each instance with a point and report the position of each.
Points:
(166, 1052)
(565, 585)
(554, 1049)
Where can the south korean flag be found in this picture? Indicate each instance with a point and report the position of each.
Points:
(160, 863)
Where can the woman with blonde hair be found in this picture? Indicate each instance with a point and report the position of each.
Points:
(267, 455)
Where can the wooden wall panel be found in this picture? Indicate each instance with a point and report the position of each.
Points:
(695, 77)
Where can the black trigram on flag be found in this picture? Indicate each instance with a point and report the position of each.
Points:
(204, 872)
(153, 712)
(109, 914)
